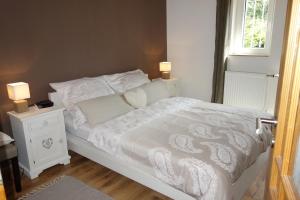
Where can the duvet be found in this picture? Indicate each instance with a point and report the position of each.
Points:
(197, 147)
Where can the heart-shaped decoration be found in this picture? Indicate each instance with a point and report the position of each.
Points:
(136, 97)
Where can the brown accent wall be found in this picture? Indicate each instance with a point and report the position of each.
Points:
(44, 41)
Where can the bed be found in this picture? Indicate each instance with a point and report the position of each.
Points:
(181, 147)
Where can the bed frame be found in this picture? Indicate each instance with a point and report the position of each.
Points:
(143, 177)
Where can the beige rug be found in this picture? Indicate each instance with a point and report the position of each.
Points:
(65, 188)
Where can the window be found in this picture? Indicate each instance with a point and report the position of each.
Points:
(251, 31)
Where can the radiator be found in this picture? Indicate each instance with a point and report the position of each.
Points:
(250, 90)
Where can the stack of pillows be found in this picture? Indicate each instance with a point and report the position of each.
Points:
(99, 99)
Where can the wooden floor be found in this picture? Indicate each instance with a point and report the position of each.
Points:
(2, 193)
(103, 179)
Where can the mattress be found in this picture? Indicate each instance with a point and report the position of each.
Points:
(197, 147)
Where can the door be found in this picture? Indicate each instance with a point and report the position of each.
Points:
(2, 191)
(281, 184)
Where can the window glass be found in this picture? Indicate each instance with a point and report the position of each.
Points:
(251, 27)
(255, 23)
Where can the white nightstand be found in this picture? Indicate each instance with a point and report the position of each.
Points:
(41, 139)
(173, 86)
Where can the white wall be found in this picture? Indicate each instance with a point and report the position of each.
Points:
(271, 64)
(191, 44)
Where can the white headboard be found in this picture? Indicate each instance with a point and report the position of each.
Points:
(55, 98)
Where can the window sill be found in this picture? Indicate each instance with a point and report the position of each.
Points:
(250, 54)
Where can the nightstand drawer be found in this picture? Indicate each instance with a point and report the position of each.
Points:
(44, 123)
(47, 147)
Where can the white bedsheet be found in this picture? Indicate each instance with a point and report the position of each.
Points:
(83, 131)
(197, 147)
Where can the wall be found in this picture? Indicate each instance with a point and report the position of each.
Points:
(270, 64)
(191, 42)
(50, 40)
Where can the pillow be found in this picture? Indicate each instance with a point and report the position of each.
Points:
(137, 97)
(72, 92)
(61, 85)
(76, 115)
(86, 89)
(125, 81)
(155, 91)
(5, 139)
(102, 109)
(84, 86)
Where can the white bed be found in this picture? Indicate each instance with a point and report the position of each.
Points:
(77, 142)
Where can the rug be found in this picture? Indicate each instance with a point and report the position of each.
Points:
(66, 188)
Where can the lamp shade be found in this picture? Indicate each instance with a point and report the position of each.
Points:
(165, 66)
(18, 91)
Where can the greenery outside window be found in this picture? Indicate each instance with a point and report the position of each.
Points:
(252, 22)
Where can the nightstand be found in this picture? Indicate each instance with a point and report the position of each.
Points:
(173, 86)
(41, 139)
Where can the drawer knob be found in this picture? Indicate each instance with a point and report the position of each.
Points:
(47, 143)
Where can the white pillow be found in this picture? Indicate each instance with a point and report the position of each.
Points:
(72, 92)
(61, 85)
(5, 139)
(155, 91)
(125, 81)
(87, 89)
(102, 109)
(77, 117)
(137, 97)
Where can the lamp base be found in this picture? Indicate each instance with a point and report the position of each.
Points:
(165, 75)
(21, 106)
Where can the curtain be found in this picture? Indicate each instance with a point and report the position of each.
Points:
(221, 46)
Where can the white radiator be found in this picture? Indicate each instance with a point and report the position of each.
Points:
(250, 90)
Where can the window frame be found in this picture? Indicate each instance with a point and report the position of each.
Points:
(237, 28)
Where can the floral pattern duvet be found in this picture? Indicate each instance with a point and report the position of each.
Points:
(197, 147)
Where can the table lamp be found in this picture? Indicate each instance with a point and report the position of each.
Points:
(19, 92)
(165, 68)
